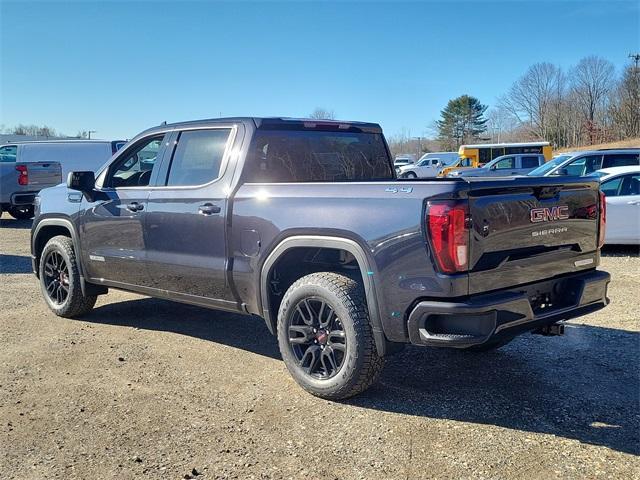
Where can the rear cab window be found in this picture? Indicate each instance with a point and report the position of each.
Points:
(283, 156)
(8, 153)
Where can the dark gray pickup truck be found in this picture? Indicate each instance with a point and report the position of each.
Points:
(303, 223)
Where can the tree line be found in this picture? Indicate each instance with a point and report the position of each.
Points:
(44, 131)
(584, 105)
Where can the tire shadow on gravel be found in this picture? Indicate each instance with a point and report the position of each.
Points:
(240, 331)
(15, 264)
(9, 222)
(583, 386)
(620, 251)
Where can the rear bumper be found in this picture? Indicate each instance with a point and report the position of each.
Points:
(20, 199)
(507, 313)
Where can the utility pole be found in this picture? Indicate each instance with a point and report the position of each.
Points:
(636, 58)
(89, 132)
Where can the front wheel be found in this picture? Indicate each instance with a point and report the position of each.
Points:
(325, 337)
(21, 213)
(410, 175)
(60, 279)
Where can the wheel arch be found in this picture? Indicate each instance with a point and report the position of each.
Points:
(45, 230)
(48, 228)
(365, 267)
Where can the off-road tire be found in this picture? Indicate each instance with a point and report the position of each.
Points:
(75, 304)
(21, 213)
(361, 365)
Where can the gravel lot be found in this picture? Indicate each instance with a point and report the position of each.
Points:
(143, 388)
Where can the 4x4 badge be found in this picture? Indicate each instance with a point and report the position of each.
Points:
(399, 190)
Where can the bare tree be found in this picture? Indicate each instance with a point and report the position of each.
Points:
(33, 130)
(625, 104)
(500, 123)
(592, 80)
(322, 114)
(535, 98)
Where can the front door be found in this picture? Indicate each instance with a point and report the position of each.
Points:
(112, 221)
(623, 209)
(185, 225)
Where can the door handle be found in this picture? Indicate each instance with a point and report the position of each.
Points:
(135, 207)
(208, 209)
(634, 202)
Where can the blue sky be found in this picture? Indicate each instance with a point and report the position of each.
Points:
(120, 67)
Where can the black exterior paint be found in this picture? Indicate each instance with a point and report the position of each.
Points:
(168, 248)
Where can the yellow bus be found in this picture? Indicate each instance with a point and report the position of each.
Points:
(474, 156)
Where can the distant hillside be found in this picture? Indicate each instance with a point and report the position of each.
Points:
(631, 143)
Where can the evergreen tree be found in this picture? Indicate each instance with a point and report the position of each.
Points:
(462, 121)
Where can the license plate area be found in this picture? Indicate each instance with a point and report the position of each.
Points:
(555, 295)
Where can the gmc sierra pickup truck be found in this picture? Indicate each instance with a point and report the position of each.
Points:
(304, 224)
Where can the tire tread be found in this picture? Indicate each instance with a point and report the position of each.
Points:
(349, 291)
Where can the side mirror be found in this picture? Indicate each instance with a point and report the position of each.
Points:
(562, 171)
(82, 181)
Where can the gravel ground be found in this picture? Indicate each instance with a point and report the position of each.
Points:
(143, 388)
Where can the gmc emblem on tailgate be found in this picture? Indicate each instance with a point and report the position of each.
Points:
(549, 214)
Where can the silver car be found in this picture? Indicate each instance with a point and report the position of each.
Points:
(587, 162)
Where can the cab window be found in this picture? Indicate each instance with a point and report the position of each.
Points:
(530, 162)
(623, 185)
(8, 153)
(134, 167)
(505, 163)
(198, 157)
(620, 160)
(582, 166)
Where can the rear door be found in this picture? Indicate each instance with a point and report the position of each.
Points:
(186, 217)
(530, 228)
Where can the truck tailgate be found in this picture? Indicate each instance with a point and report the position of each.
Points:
(43, 174)
(531, 228)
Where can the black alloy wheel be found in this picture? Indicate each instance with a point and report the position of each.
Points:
(56, 277)
(317, 338)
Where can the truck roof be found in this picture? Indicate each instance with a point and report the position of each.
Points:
(277, 122)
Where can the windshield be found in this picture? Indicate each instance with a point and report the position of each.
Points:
(550, 165)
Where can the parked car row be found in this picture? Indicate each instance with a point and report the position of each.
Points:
(28, 167)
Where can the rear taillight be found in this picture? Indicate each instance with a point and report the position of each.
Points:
(23, 175)
(448, 229)
(603, 219)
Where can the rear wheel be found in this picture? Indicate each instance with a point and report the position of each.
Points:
(60, 279)
(325, 337)
(22, 212)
